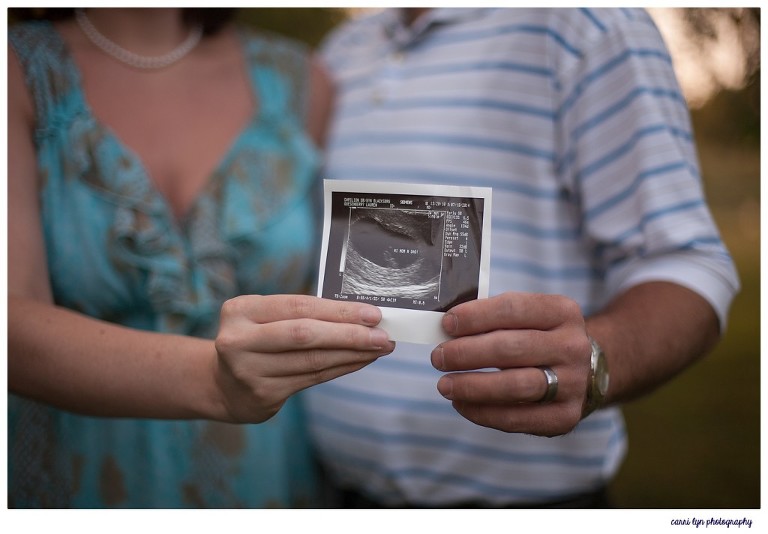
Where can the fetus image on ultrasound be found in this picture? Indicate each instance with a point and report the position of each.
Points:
(393, 253)
(419, 252)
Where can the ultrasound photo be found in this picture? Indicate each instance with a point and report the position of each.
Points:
(392, 253)
(410, 251)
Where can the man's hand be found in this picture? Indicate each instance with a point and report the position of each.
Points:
(510, 337)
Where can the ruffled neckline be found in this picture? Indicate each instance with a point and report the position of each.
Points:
(189, 263)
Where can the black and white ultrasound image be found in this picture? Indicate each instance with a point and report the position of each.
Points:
(404, 251)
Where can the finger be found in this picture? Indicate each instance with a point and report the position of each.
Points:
(311, 362)
(511, 310)
(267, 394)
(271, 308)
(501, 349)
(302, 334)
(312, 379)
(537, 419)
(509, 386)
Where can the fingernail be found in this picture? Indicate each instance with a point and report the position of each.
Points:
(438, 358)
(370, 315)
(450, 323)
(445, 387)
(379, 338)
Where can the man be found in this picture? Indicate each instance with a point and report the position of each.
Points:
(603, 251)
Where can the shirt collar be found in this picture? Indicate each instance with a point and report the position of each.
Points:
(402, 35)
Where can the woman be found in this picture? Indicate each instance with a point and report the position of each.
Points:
(160, 166)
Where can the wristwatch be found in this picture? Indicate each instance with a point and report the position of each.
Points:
(597, 383)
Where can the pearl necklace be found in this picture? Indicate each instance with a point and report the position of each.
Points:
(135, 60)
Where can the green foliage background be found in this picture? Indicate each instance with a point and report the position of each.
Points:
(309, 25)
(695, 442)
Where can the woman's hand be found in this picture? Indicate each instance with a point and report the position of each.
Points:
(270, 347)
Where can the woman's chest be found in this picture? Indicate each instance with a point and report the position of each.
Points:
(179, 127)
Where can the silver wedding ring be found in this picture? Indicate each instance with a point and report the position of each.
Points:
(551, 392)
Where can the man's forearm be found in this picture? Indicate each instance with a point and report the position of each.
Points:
(651, 333)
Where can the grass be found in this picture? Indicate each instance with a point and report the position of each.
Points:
(695, 442)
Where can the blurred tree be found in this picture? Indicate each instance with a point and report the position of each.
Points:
(716, 54)
(732, 115)
(309, 25)
(705, 29)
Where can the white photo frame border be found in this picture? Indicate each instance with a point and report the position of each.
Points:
(402, 324)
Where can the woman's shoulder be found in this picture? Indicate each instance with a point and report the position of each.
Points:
(37, 40)
(32, 34)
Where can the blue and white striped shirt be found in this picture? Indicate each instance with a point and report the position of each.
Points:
(575, 119)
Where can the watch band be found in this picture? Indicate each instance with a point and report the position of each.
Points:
(598, 379)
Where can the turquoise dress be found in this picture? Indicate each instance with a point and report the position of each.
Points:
(116, 252)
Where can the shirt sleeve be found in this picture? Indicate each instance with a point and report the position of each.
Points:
(626, 150)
